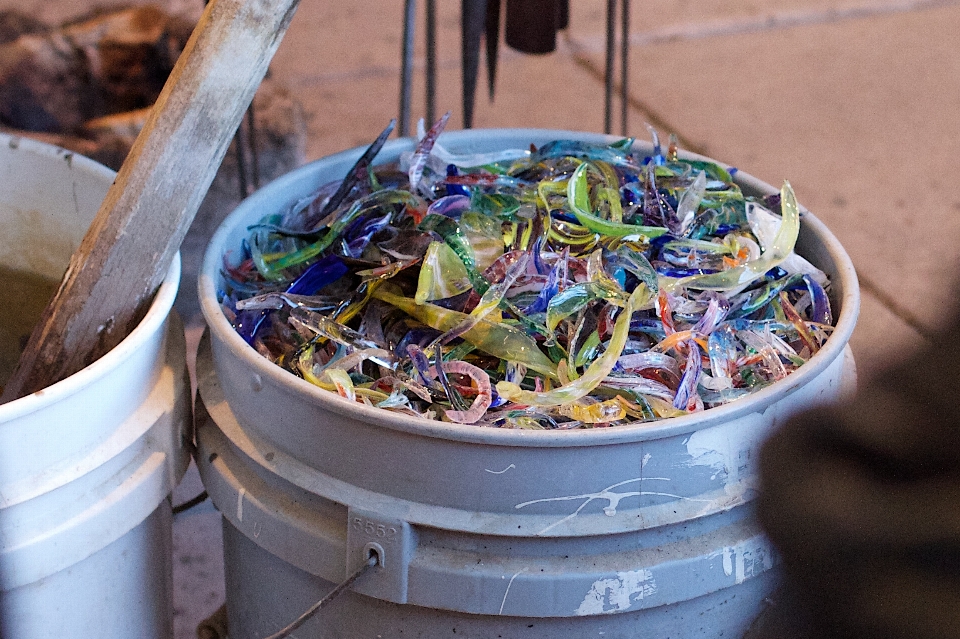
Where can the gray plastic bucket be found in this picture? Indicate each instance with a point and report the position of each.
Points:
(632, 531)
(87, 465)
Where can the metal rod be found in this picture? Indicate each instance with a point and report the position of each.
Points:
(624, 67)
(492, 43)
(190, 503)
(473, 18)
(431, 34)
(333, 594)
(406, 67)
(241, 161)
(608, 75)
(252, 143)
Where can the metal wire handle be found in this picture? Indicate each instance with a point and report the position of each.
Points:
(333, 594)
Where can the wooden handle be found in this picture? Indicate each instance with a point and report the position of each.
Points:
(122, 260)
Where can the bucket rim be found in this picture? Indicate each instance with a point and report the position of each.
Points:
(156, 315)
(222, 332)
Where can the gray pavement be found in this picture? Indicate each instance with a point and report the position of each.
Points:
(854, 101)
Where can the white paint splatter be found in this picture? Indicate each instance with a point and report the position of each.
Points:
(646, 458)
(739, 566)
(613, 499)
(747, 558)
(507, 591)
(500, 472)
(728, 448)
(617, 594)
(728, 561)
(243, 491)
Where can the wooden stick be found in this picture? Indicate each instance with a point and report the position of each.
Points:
(114, 274)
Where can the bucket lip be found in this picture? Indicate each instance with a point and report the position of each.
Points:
(223, 332)
(150, 324)
(42, 149)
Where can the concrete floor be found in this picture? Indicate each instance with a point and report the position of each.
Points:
(856, 102)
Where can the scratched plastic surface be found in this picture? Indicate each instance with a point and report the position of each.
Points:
(571, 285)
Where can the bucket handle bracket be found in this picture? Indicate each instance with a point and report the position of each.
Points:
(391, 541)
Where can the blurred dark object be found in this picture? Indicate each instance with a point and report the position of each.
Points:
(215, 626)
(782, 618)
(863, 503)
(14, 24)
(531, 25)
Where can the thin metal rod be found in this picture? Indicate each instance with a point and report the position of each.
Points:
(238, 144)
(492, 43)
(333, 594)
(608, 75)
(406, 67)
(473, 20)
(190, 503)
(242, 178)
(252, 143)
(431, 33)
(624, 66)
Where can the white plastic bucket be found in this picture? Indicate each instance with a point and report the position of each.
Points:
(87, 465)
(638, 531)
